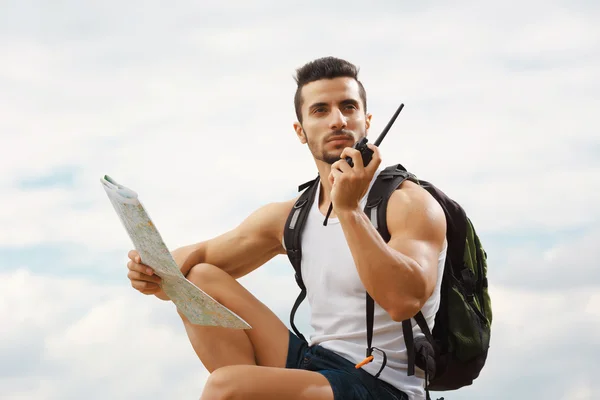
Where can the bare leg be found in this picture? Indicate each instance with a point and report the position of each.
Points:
(265, 344)
(266, 383)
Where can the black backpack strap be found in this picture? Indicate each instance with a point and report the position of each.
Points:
(386, 183)
(420, 351)
(456, 227)
(370, 348)
(424, 352)
(410, 345)
(420, 318)
(297, 303)
(292, 235)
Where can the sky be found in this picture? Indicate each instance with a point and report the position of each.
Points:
(191, 105)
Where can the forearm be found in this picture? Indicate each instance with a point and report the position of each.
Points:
(396, 282)
(188, 256)
(185, 257)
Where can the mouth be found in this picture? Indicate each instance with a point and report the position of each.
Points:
(338, 140)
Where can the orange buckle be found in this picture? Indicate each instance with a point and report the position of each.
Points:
(364, 362)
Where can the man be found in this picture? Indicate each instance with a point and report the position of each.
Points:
(340, 261)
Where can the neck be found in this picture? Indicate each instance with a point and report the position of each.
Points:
(325, 195)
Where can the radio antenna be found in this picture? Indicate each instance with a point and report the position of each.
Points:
(378, 141)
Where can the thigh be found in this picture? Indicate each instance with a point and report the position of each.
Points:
(251, 382)
(269, 335)
(348, 382)
(297, 352)
(346, 385)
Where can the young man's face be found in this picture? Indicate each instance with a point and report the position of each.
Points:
(333, 117)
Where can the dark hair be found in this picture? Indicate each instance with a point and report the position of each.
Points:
(325, 68)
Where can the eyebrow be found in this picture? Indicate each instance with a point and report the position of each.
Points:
(343, 102)
(316, 105)
(350, 101)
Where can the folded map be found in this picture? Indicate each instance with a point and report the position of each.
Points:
(191, 301)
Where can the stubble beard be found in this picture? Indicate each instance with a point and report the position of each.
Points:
(329, 157)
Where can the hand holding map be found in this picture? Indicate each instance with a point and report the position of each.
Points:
(191, 301)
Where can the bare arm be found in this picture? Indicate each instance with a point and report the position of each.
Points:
(240, 251)
(399, 275)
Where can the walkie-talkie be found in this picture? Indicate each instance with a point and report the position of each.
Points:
(366, 152)
(361, 145)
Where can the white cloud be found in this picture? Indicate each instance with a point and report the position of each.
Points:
(68, 338)
(539, 347)
(570, 263)
(593, 306)
(92, 341)
(108, 341)
(581, 390)
(500, 113)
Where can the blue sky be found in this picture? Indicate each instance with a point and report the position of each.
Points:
(191, 106)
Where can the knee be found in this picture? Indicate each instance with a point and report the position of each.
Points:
(203, 275)
(208, 278)
(221, 385)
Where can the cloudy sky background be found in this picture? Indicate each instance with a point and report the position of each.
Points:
(190, 104)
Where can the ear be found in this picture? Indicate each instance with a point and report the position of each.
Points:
(300, 132)
(368, 121)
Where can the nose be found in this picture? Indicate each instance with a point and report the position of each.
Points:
(337, 120)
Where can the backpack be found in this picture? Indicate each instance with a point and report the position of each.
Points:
(454, 353)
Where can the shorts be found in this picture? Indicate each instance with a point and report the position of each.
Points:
(347, 382)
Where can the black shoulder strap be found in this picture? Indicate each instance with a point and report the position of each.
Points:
(386, 183)
(456, 225)
(292, 235)
(376, 209)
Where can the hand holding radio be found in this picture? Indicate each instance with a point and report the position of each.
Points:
(349, 179)
(361, 145)
(366, 154)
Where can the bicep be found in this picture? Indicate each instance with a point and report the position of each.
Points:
(417, 227)
(251, 244)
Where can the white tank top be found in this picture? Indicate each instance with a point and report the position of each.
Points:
(336, 297)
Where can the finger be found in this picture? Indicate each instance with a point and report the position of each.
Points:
(144, 286)
(334, 174)
(341, 165)
(355, 155)
(375, 159)
(150, 287)
(133, 266)
(150, 291)
(139, 276)
(134, 255)
(374, 149)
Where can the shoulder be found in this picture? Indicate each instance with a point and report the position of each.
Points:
(413, 210)
(268, 220)
(278, 212)
(272, 214)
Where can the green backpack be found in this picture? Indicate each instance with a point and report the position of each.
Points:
(454, 353)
